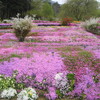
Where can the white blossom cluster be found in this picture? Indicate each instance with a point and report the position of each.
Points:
(6, 21)
(91, 21)
(8, 93)
(27, 94)
(22, 23)
(61, 82)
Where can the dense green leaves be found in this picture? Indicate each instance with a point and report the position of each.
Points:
(11, 7)
(47, 11)
(7, 82)
(43, 9)
(79, 9)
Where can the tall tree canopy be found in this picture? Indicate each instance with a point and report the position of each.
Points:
(56, 8)
(79, 9)
(44, 9)
(47, 11)
(36, 8)
(11, 7)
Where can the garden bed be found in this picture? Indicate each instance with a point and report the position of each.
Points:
(53, 50)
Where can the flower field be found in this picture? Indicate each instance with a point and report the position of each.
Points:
(48, 55)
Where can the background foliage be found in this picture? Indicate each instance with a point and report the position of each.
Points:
(50, 10)
(79, 9)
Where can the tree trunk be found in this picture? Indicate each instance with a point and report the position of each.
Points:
(21, 39)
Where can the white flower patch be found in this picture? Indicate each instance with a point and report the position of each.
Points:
(27, 94)
(58, 76)
(8, 93)
(22, 23)
(89, 22)
(61, 82)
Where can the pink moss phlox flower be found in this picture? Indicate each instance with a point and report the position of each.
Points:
(40, 64)
(85, 84)
(98, 27)
(41, 60)
(52, 93)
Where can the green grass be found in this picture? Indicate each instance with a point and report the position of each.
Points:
(9, 57)
(69, 49)
(85, 54)
(75, 57)
(33, 34)
(15, 55)
(33, 40)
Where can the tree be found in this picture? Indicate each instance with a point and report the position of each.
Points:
(12, 7)
(56, 8)
(79, 9)
(44, 9)
(98, 11)
(47, 11)
(36, 8)
(1, 6)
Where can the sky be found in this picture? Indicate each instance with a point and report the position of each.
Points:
(63, 1)
(60, 1)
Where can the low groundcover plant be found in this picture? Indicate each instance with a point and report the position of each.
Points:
(61, 83)
(8, 93)
(27, 94)
(11, 81)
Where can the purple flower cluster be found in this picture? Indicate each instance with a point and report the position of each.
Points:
(85, 84)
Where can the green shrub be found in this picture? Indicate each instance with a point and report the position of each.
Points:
(95, 28)
(71, 79)
(22, 27)
(7, 82)
(66, 21)
(92, 25)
